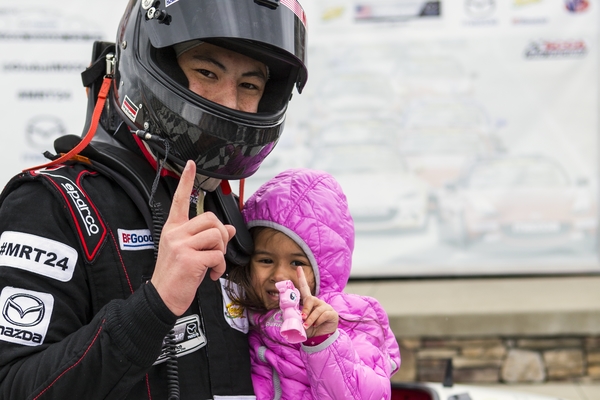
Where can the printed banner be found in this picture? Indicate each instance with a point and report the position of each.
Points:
(464, 132)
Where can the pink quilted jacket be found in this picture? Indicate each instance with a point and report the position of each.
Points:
(357, 361)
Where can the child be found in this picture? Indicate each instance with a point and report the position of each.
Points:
(303, 232)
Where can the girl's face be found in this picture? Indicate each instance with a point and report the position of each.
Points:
(275, 259)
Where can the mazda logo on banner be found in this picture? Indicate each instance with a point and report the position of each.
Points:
(23, 310)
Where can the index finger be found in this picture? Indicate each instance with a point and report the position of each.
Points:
(303, 284)
(181, 199)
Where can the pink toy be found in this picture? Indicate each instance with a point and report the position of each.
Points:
(289, 302)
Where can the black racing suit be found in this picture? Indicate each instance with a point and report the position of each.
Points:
(79, 319)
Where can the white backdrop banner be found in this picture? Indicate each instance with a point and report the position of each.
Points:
(464, 132)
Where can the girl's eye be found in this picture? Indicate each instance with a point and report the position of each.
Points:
(298, 263)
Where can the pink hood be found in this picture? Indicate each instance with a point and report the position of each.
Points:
(310, 207)
(356, 362)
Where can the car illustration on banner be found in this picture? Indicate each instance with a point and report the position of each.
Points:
(382, 193)
(527, 202)
(357, 131)
(439, 136)
(352, 93)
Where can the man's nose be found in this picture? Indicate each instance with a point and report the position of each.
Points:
(227, 96)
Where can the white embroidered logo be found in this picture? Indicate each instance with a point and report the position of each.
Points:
(25, 316)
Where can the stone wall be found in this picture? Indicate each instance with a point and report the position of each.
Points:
(501, 359)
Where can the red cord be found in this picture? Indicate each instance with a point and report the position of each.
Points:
(90, 133)
(241, 196)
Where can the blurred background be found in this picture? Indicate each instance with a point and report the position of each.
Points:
(465, 135)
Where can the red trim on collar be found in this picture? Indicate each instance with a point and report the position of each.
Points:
(150, 157)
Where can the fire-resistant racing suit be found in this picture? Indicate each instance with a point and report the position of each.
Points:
(79, 318)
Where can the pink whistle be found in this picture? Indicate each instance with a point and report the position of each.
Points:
(289, 302)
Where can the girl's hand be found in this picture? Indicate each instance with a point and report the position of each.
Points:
(319, 317)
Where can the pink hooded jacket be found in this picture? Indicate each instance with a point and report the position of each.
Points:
(357, 361)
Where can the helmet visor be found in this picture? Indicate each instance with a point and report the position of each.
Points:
(222, 148)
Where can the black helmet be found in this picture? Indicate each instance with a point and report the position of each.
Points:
(151, 92)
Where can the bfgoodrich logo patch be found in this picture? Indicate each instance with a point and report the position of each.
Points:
(25, 316)
(137, 239)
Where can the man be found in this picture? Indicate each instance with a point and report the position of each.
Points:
(109, 282)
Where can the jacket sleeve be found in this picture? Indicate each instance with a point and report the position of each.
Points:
(262, 372)
(76, 354)
(357, 361)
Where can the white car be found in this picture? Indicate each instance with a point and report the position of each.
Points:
(437, 391)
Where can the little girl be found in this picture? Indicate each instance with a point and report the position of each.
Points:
(303, 232)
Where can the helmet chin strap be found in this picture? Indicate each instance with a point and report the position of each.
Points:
(91, 131)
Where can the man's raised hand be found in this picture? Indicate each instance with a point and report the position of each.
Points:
(188, 249)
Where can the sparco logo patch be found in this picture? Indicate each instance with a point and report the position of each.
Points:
(39, 255)
(83, 208)
(138, 239)
(88, 222)
(25, 316)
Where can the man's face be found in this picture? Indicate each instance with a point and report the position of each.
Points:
(224, 76)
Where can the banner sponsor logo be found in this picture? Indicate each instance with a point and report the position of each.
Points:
(42, 130)
(577, 6)
(44, 95)
(49, 24)
(399, 10)
(37, 67)
(480, 8)
(556, 49)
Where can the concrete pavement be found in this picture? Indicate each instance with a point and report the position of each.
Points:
(566, 391)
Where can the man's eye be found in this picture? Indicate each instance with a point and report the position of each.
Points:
(249, 86)
(205, 72)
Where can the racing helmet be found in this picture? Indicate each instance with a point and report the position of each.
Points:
(151, 92)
